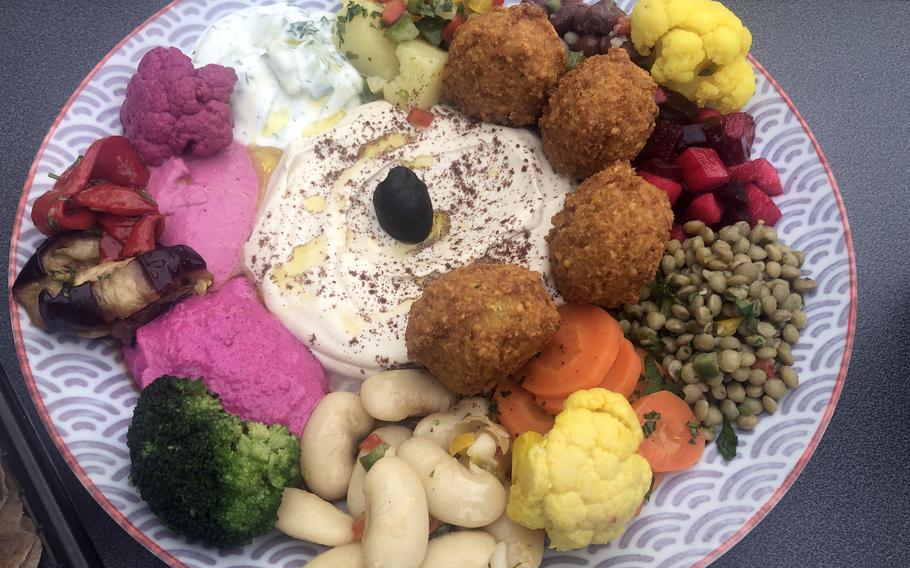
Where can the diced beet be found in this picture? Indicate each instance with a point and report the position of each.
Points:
(739, 134)
(731, 135)
(692, 135)
(660, 97)
(705, 208)
(677, 232)
(706, 113)
(663, 141)
(661, 167)
(678, 109)
(761, 207)
(702, 169)
(732, 194)
(760, 172)
(735, 200)
(672, 188)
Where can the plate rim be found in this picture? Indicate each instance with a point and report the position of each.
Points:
(172, 561)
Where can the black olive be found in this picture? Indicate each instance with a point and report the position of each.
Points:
(403, 206)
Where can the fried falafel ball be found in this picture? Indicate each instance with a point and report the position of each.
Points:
(480, 323)
(503, 64)
(602, 111)
(608, 240)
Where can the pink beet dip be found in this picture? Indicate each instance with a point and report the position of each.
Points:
(260, 370)
(210, 205)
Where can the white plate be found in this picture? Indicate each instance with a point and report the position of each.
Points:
(85, 397)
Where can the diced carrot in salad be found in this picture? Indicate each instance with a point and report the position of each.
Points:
(420, 118)
(392, 11)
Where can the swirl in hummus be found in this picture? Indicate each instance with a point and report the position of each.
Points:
(337, 280)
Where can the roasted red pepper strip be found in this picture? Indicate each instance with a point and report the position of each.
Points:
(117, 227)
(142, 238)
(116, 199)
(52, 212)
(75, 178)
(119, 163)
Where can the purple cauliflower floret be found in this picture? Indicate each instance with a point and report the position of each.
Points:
(172, 108)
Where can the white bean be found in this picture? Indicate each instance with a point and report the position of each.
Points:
(328, 443)
(397, 523)
(462, 549)
(458, 495)
(347, 556)
(396, 395)
(309, 517)
(391, 435)
(524, 546)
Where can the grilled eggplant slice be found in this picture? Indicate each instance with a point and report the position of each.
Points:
(65, 287)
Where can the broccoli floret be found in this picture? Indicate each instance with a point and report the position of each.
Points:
(207, 474)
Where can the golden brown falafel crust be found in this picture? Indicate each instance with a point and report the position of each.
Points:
(477, 324)
(602, 111)
(607, 241)
(502, 65)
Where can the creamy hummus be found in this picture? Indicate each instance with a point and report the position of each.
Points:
(260, 371)
(209, 204)
(337, 280)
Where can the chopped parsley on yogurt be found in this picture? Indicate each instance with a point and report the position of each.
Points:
(291, 77)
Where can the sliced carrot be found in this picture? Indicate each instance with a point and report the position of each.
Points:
(675, 440)
(623, 375)
(517, 412)
(551, 405)
(621, 378)
(579, 355)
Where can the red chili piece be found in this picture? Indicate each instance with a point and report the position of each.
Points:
(420, 118)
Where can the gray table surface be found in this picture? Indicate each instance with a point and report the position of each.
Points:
(844, 64)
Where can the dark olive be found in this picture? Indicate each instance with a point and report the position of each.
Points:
(403, 206)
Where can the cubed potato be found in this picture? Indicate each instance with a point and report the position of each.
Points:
(360, 37)
(419, 82)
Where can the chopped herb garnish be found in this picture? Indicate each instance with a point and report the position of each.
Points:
(352, 12)
(654, 381)
(727, 441)
(693, 431)
(443, 528)
(650, 489)
(303, 30)
(54, 177)
(573, 59)
(374, 456)
(650, 424)
(351, 56)
(746, 308)
(663, 295)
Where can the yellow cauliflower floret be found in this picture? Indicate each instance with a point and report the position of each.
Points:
(583, 480)
(699, 49)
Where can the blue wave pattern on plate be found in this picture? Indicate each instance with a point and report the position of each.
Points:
(89, 397)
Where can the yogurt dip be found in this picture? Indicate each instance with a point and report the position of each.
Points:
(330, 273)
(260, 371)
(208, 204)
(290, 75)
